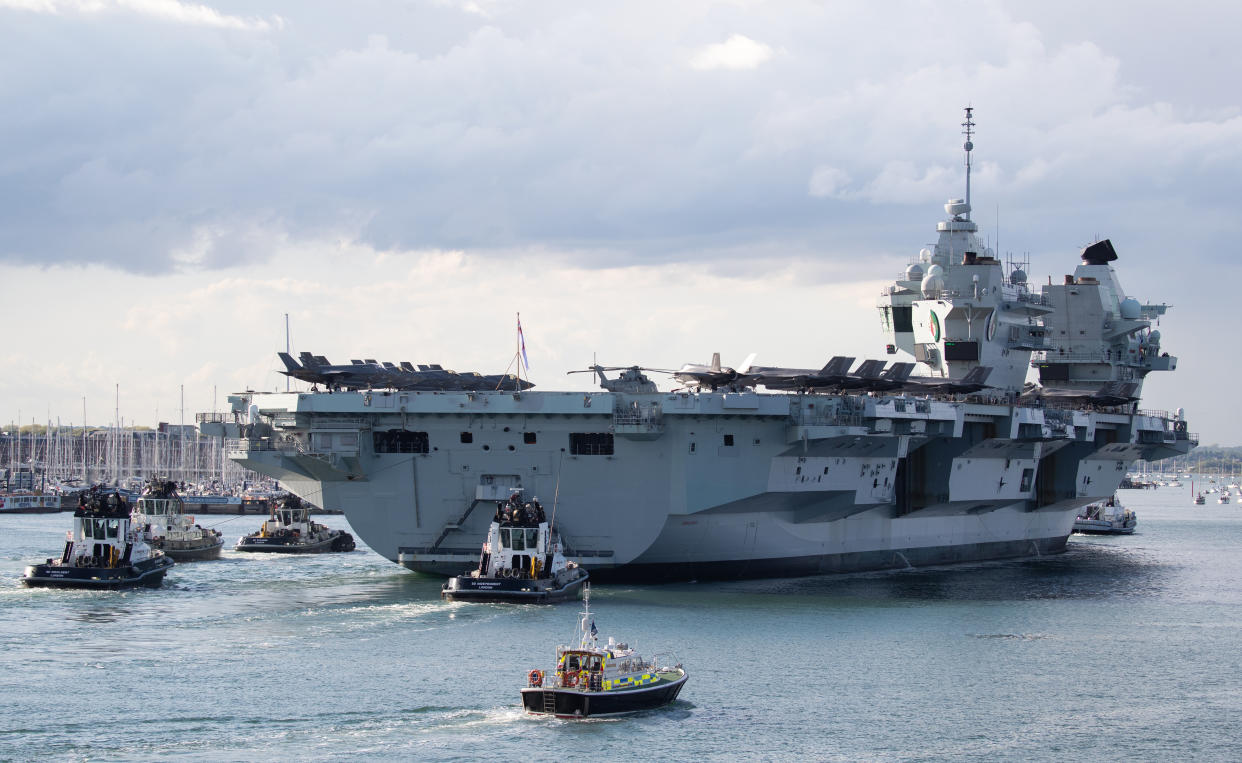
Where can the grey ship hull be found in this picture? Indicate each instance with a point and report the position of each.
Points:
(702, 485)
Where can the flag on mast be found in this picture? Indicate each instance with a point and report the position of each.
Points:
(522, 342)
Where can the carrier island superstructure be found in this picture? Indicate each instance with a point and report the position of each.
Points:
(729, 481)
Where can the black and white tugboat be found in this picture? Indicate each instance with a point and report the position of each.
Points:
(522, 561)
(160, 514)
(104, 550)
(591, 680)
(291, 531)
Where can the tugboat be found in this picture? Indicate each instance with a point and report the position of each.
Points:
(1105, 518)
(591, 680)
(160, 513)
(522, 561)
(104, 550)
(291, 531)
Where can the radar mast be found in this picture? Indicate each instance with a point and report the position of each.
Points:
(968, 129)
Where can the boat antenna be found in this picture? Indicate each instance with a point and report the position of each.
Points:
(968, 128)
(556, 494)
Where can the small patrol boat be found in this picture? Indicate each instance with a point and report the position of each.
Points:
(291, 531)
(522, 561)
(160, 513)
(103, 550)
(591, 680)
(1105, 518)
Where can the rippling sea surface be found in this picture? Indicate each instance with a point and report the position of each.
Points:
(1122, 648)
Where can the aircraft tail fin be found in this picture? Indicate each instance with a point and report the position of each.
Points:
(898, 372)
(715, 361)
(307, 359)
(978, 375)
(870, 369)
(746, 364)
(290, 363)
(838, 366)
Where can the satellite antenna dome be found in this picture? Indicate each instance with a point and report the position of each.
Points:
(932, 286)
(969, 145)
(925, 255)
(936, 270)
(1154, 338)
(989, 252)
(957, 207)
(1017, 277)
(1181, 413)
(1130, 309)
(914, 272)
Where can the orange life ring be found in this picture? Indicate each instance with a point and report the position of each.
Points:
(570, 679)
(536, 677)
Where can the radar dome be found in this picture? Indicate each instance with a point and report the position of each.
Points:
(989, 252)
(936, 270)
(1017, 277)
(957, 207)
(933, 284)
(1154, 338)
(914, 272)
(925, 255)
(1130, 309)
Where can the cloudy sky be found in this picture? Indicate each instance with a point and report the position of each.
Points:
(644, 181)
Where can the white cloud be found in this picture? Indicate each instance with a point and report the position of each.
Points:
(828, 181)
(192, 14)
(737, 52)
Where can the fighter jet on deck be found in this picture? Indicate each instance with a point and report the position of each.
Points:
(934, 385)
(711, 376)
(1109, 394)
(835, 373)
(369, 374)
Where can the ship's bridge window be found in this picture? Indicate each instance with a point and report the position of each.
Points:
(519, 538)
(590, 444)
(114, 526)
(400, 441)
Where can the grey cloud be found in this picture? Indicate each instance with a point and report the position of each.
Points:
(152, 146)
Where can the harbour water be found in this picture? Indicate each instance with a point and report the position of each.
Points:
(1122, 648)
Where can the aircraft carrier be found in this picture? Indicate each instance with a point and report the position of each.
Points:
(827, 470)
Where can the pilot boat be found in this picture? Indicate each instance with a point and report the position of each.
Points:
(103, 550)
(590, 679)
(522, 561)
(291, 531)
(160, 514)
(1105, 517)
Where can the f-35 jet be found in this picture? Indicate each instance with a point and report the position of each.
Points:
(1109, 394)
(370, 374)
(711, 376)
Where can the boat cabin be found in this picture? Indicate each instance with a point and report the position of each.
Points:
(520, 543)
(103, 534)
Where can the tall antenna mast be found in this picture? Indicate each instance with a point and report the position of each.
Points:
(968, 129)
(287, 350)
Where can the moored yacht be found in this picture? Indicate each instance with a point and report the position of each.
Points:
(590, 679)
(1107, 517)
(290, 530)
(103, 550)
(160, 514)
(522, 560)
